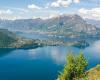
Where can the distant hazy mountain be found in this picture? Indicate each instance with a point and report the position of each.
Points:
(67, 25)
(94, 22)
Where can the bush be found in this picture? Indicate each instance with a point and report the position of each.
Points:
(74, 68)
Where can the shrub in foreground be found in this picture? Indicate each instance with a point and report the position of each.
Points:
(75, 67)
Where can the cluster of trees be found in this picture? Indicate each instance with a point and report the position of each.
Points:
(75, 67)
(5, 40)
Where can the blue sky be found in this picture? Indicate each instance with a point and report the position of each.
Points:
(19, 9)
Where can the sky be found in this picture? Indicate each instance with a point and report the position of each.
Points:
(25, 9)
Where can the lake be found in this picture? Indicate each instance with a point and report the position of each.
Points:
(43, 63)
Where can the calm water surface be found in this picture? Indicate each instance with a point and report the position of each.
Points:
(42, 63)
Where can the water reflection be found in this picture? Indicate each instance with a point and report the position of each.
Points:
(94, 49)
(42, 63)
(49, 52)
(58, 53)
(55, 53)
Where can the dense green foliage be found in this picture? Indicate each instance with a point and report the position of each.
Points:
(74, 68)
(5, 40)
(10, 40)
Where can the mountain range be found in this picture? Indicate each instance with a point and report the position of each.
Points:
(70, 25)
(94, 22)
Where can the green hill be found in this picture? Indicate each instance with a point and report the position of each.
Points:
(6, 38)
(10, 40)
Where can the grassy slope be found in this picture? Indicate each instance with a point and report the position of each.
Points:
(94, 73)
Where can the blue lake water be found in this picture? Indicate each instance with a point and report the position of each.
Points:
(40, 64)
(43, 63)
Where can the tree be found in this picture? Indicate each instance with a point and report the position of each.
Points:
(74, 68)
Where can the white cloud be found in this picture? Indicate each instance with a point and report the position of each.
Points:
(55, 4)
(65, 3)
(12, 14)
(11, 17)
(93, 13)
(19, 9)
(61, 3)
(48, 16)
(8, 11)
(34, 7)
(6, 14)
(76, 1)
